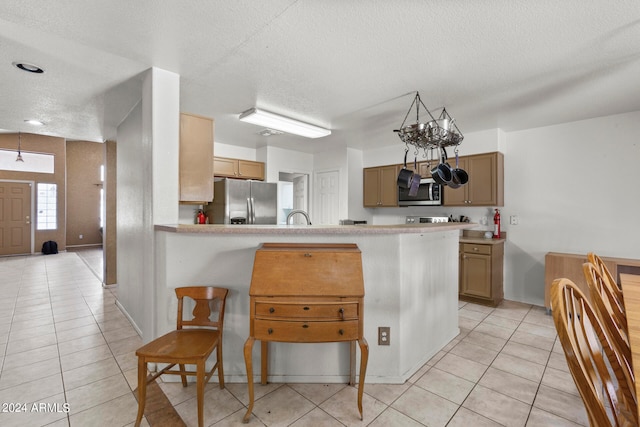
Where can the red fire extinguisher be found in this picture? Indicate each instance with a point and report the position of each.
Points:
(201, 218)
(496, 225)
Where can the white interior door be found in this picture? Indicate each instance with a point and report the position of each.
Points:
(300, 200)
(327, 190)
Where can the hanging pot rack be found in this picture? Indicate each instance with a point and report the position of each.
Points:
(434, 133)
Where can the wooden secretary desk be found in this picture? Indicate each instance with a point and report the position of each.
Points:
(306, 293)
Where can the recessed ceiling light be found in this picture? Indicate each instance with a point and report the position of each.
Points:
(270, 132)
(24, 66)
(34, 122)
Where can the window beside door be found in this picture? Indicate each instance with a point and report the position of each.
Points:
(47, 205)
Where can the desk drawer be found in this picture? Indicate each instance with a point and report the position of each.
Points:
(311, 311)
(269, 330)
(476, 249)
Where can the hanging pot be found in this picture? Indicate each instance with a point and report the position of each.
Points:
(415, 182)
(460, 176)
(442, 172)
(405, 176)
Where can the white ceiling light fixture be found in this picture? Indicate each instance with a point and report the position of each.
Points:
(284, 124)
(34, 122)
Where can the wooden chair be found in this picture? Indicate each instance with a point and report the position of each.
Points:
(606, 274)
(600, 374)
(609, 308)
(191, 345)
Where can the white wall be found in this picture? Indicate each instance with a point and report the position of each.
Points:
(281, 160)
(148, 193)
(574, 189)
(235, 152)
(133, 201)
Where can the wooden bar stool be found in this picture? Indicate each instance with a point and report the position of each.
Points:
(187, 346)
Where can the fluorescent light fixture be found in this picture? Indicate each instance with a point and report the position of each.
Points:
(284, 124)
(34, 122)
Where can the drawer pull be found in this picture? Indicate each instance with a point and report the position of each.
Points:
(308, 255)
(305, 326)
(341, 332)
(271, 310)
(341, 315)
(306, 308)
(475, 249)
(270, 331)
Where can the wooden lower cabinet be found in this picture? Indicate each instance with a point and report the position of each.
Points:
(481, 272)
(306, 293)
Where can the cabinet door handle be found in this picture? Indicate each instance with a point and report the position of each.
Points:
(271, 310)
(305, 326)
(341, 313)
(341, 332)
(269, 331)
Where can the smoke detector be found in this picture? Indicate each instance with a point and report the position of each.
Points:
(270, 132)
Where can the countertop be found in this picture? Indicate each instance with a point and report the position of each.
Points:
(480, 240)
(314, 229)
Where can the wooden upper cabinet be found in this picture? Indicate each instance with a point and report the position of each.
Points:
(237, 168)
(250, 170)
(424, 168)
(486, 182)
(380, 186)
(196, 159)
(225, 167)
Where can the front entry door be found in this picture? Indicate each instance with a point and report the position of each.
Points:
(15, 218)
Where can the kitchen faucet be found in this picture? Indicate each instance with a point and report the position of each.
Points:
(298, 211)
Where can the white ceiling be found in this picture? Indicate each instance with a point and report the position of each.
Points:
(349, 65)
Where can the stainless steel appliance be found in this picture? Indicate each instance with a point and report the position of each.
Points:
(426, 219)
(237, 201)
(429, 194)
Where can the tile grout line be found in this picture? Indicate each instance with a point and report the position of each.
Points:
(55, 331)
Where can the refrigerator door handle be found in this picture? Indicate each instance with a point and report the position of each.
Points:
(248, 210)
(253, 211)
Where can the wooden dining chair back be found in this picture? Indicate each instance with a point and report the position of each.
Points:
(609, 308)
(606, 274)
(595, 364)
(193, 341)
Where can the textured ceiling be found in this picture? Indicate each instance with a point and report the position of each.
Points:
(348, 65)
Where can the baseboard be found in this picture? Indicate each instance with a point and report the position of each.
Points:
(133, 324)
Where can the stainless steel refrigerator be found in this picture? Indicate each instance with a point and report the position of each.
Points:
(237, 201)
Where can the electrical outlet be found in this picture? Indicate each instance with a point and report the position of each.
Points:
(384, 335)
(513, 220)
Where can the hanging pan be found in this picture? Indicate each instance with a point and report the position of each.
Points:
(405, 176)
(459, 176)
(415, 182)
(442, 172)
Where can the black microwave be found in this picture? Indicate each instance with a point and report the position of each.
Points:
(429, 194)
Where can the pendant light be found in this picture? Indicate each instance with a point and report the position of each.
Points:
(19, 158)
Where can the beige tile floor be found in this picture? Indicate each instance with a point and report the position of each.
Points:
(64, 341)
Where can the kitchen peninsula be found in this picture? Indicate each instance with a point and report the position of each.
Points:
(411, 285)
